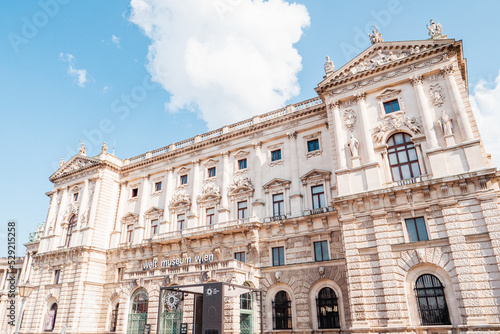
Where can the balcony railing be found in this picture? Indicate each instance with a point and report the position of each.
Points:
(319, 210)
(275, 218)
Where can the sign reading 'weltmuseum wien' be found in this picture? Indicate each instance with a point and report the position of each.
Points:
(178, 261)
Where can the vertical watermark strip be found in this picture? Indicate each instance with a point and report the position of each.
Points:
(11, 279)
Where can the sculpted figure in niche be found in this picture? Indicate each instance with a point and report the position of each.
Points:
(445, 124)
(353, 146)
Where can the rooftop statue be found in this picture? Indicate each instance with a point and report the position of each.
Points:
(435, 30)
(376, 37)
(329, 67)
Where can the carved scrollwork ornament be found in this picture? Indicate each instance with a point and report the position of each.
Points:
(334, 105)
(416, 80)
(447, 70)
(350, 119)
(360, 97)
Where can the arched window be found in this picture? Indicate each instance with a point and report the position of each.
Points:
(282, 311)
(50, 318)
(114, 318)
(138, 312)
(328, 309)
(246, 312)
(71, 227)
(431, 301)
(403, 158)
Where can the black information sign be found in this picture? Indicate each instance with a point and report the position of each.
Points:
(184, 328)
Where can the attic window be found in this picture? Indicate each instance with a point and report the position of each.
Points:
(391, 106)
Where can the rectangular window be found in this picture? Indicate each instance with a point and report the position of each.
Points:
(154, 227)
(278, 256)
(75, 197)
(321, 251)
(242, 164)
(276, 155)
(242, 210)
(318, 197)
(211, 172)
(210, 216)
(278, 205)
(57, 276)
(181, 222)
(130, 233)
(135, 192)
(184, 179)
(416, 229)
(313, 145)
(391, 106)
(157, 186)
(240, 256)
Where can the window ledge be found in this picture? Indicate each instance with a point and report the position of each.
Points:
(421, 244)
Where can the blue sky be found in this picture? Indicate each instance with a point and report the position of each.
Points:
(81, 70)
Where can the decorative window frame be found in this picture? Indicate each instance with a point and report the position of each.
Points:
(114, 300)
(411, 215)
(152, 214)
(274, 187)
(273, 148)
(387, 95)
(76, 190)
(210, 195)
(240, 155)
(316, 177)
(182, 171)
(313, 294)
(317, 238)
(271, 294)
(211, 163)
(131, 187)
(241, 190)
(129, 219)
(155, 192)
(310, 137)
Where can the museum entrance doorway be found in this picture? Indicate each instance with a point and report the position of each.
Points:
(209, 308)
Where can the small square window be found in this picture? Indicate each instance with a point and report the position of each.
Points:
(240, 256)
(416, 229)
(321, 251)
(158, 186)
(242, 164)
(75, 197)
(184, 179)
(278, 256)
(57, 276)
(135, 192)
(211, 172)
(391, 106)
(312, 145)
(276, 155)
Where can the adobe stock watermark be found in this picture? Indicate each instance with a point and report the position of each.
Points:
(223, 6)
(122, 107)
(381, 18)
(31, 26)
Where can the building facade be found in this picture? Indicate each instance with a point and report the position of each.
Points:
(372, 208)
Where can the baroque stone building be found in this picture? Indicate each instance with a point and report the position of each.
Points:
(370, 208)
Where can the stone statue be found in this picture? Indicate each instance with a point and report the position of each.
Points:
(61, 163)
(82, 150)
(354, 146)
(445, 124)
(329, 67)
(435, 29)
(104, 148)
(376, 37)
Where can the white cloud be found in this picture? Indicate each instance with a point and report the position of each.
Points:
(116, 41)
(79, 74)
(485, 101)
(227, 59)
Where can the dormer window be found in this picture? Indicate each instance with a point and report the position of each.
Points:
(391, 106)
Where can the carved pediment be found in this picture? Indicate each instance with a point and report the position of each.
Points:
(211, 163)
(75, 164)
(396, 121)
(210, 194)
(130, 218)
(154, 212)
(241, 185)
(180, 200)
(277, 183)
(183, 170)
(241, 154)
(389, 94)
(316, 175)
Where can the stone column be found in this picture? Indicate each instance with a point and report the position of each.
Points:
(169, 191)
(295, 195)
(60, 223)
(258, 203)
(196, 191)
(428, 121)
(458, 103)
(145, 193)
(365, 128)
(93, 208)
(339, 138)
(224, 207)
